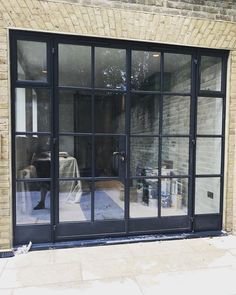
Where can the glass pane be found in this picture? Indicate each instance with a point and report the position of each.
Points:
(144, 114)
(209, 115)
(75, 156)
(143, 198)
(174, 196)
(33, 202)
(208, 157)
(109, 200)
(33, 156)
(144, 156)
(175, 155)
(75, 111)
(32, 110)
(110, 68)
(211, 73)
(177, 73)
(176, 115)
(74, 63)
(207, 195)
(109, 113)
(109, 153)
(31, 60)
(145, 70)
(74, 200)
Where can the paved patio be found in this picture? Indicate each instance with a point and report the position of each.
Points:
(194, 266)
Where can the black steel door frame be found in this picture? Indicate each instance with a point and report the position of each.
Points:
(70, 231)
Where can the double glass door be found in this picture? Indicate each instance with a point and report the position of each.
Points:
(115, 138)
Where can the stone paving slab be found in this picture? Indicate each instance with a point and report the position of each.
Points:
(204, 266)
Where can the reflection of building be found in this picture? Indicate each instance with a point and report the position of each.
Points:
(144, 120)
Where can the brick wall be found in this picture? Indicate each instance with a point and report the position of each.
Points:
(208, 9)
(156, 21)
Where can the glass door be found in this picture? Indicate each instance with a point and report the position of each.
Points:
(32, 139)
(91, 155)
(160, 133)
(115, 138)
(210, 126)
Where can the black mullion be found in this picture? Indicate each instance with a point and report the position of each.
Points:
(74, 178)
(223, 79)
(193, 127)
(144, 135)
(34, 133)
(176, 135)
(176, 93)
(160, 137)
(109, 90)
(55, 139)
(127, 129)
(209, 136)
(208, 175)
(31, 83)
(210, 93)
(146, 92)
(76, 88)
(90, 134)
(33, 179)
(93, 130)
(13, 72)
(161, 176)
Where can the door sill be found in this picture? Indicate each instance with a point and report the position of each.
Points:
(125, 240)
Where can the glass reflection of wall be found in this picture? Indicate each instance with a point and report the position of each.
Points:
(209, 122)
(109, 113)
(75, 112)
(144, 114)
(177, 73)
(32, 60)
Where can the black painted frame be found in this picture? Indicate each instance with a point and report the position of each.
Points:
(56, 231)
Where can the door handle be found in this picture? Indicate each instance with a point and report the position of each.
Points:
(120, 154)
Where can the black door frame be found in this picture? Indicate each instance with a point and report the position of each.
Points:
(56, 231)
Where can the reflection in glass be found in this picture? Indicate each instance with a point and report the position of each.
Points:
(31, 60)
(108, 162)
(75, 156)
(32, 110)
(174, 196)
(109, 200)
(208, 156)
(33, 156)
(75, 108)
(74, 200)
(144, 114)
(109, 113)
(176, 115)
(175, 156)
(74, 63)
(145, 70)
(209, 115)
(144, 156)
(110, 68)
(211, 67)
(143, 198)
(32, 202)
(207, 195)
(177, 72)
